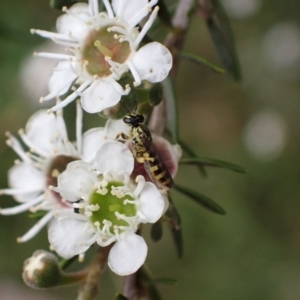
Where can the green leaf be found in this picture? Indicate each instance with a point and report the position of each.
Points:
(178, 241)
(120, 297)
(59, 4)
(192, 154)
(202, 161)
(223, 39)
(167, 281)
(38, 215)
(201, 61)
(201, 199)
(171, 111)
(156, 231)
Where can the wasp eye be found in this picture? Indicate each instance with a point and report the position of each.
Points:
(127, 120)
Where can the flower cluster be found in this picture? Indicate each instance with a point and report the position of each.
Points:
(93, 190)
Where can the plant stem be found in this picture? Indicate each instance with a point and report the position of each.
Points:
(89, 289)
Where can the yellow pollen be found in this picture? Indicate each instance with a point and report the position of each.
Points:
(105, 51)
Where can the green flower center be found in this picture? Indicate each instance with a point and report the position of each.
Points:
(110, 203)
(101, 43)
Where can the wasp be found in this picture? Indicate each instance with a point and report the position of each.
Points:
(145, 152)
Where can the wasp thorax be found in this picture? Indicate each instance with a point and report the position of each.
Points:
(56, 167)
(110, 207)
(100, 45)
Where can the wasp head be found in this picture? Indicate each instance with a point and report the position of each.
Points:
(133, 119)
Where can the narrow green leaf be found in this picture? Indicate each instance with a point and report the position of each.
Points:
(174, 220)
(38, 215)
(59, 4)
(201, 61)
(171, 111)
(120, 297)
(192, 154)
(156, 231)
(178, 241)
(172, 214)
(226, 28)
(167, 281)
(203, 161)
(164, 14)
(201, 199)
(220, 30)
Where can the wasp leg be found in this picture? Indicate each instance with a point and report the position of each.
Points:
(122, 137)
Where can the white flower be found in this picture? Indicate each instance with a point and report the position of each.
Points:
(103, 46)
(50, 151)
(111, 206)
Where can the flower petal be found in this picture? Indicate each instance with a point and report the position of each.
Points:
(62, 77)
(77, 181)
(70, 237)
(73, 26)
(92, 141)
(128, 254)
(114, 127)
(152, 203)
(152, 62)
(128, 10)
(24, 176)
(114, 157)
(41, 131)
(100, 95)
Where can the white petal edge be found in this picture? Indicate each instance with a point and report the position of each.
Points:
(114, 157)
(72, 26)
(25, 177)
(152, 62)
(152, 203)
(77, 181)
(128, 10)
(41, 131)
(128, 254)
(100, 95)
(62, 77)
(114, 127)
(70, 237)
(92, 141)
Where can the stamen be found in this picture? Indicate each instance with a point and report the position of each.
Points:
(30, 145)
(146, 27)
(36, 228)
(134, 73)
(140, 180)
(72, 97)
(79, 116)
(16, 146)
(54, 55)
(53, 35)
(105, 51)
(108, 8)
(21, 208)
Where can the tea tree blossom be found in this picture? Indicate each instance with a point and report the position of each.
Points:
(110, 207)
(102, 47)
(50, 151)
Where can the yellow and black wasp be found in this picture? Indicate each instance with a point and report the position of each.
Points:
(145, 152)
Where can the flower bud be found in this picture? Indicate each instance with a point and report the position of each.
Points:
(42, 271)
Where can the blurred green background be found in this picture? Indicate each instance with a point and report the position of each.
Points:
(253, 252)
